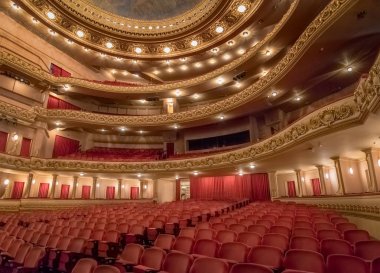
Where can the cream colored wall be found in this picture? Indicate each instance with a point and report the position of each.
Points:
(282, 180)
(166, 190)
(12, 177)
(83, 181)
(331, 180)
(126, 190)
(103, 184)
(307, 186)
(352, 182)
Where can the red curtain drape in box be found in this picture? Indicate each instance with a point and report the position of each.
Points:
(178, 189)
(65, 189)
(3, 141)
(43, 191)
(170, 149)
(64, 146)
(18, 188)
(56, 103)
(25, 147)
(59, 71)
(86, 192)
(110, 193)
(316, 184)
(135, 192)
(252, 186)
(292, 189)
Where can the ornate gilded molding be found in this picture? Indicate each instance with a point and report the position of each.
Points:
(17, 112)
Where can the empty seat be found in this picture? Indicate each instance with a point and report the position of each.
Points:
(249, 268)
(234, 252)
(249, 238)
(303, 232)
(31, 261)
(265, 222)
(129, 257)
(367, 250)
(303, 224)
(260, 229)
(328, 234)
(266, 255)
(72, 254)
(219, 226)
(150, 260)
(337, 263)
(225, 236)
(277, 240)
(205, 234)
(305, 260)
(85, 265)
(345, 226)
(335, 246)
(177, 262)
(237, 228)
(280, 230)
(303, 242)
(164, 241)
(187, 232)
(375, 266)
(109, 245)
(321, 226)
(354, 236)
(183, 244)
(106, 269)
(205, 247)
(208, 265)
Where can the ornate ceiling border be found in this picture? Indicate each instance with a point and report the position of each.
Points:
(342, 114)
(121, 44)
(17, 62)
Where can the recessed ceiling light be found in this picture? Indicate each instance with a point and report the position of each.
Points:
(66, 87)
(252, 166)
(241, 51)
(123, 129)
(52, 32)
(195, 172)
(170, 70)
(51, 15)
(58, 123)
(297, 98)
(35, 21)
(230, 42)
(237, 84)
(176, 177)
(141, 131)
(178, 93)
(70, 42)
(198, 65)
(268, 52)
(184, 67)
(221, 117)
(156, 72)
(15, 6)
(241, 8)
(81, 174)
(194, 43)
(349, 68)
(139, 175)
(245, 33)
(196, 96)
(212, 61)
(135, 61)
(264, 72)
(138, 50)
(220, 80)
(125, 73)
(86, 49)
(215, 50)
(167, 49)
(109, 45)
(274, 93)
(241, 173)
(219, 29)
(184, 59)
(175, 126)
(150, 27)
(80, 33)
(113, 71)
(227, 57)
(103, 130)
(142, 101)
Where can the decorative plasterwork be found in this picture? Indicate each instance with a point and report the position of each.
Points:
(11, 59)
(124, 42)
(347, 112)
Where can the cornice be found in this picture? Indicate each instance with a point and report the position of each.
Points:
(15, 61)
(342, 114)
(152, 44)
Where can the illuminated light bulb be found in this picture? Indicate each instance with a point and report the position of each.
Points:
(81, 174)
(215, 50)
(327, 176)
(274, 93)
(297, 98)
(139, 175)
(220, 81)
(109, 45)
(178, 92)
(138, 50)
(268, 53)
(241, 173)
(349, 69)
(252, 166)
(167, 49)
(175, 126)
(245, 33)
(66, 87)
(219, 29)
(184, 59)
(196, 96)
(70, 42)
(6, 182)
(35, 21)
(15, 6)
(51, 15)
(351, 170)
(242, 8)
(198, 65)
(194, 43)
(80, 33)
(170, 70)
(195, 172)
(378, 162)
(184, 67)
(230, 43)
(52, 32)
(221, 117)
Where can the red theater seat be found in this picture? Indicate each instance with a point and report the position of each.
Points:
(209, 265)
(85, 265)
(177, 263)
(266, 256)
(250, 268)
(304, 260)
(344, 263)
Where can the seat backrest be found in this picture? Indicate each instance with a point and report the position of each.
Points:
(13, 248)
(153, 258)
(85, 265)
(219, 226)
(234, 251)
(375, 265)
(304, 242)
(21, 252)
(137, 229)
(63, 243)
(206, 247)
(43, 239)
(164, 241)
(85, 233)
(6, 243)
(205, 233)
(280, 230)
(208, 265)
(187, 232)
(111, 236)
(305, 260)
(367, 250)
(76, 245)
(276, 240)
(123, 228)
(249, 238)
(303, 232)
(97, 234)
(176, 262)
(335, 246)
(320, 226)
(354, 236)
(250, 268)
(260, 229)
(225, 236)
(106, 269)
(132, 253)
(302, 224)
(345, 226)
(33, 257)
(328, 234)
(237, 228)
(183, 244)
(203, 225)
(266, 255)
(338, 263)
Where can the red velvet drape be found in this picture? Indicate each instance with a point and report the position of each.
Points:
(316, 185)
(64, 146)
(252, 186)
(65, 189)
(18, 188)
(178, 189)
(170, 149)
(56, 103)
(59, 71)
(292, 189)
(3, 141)
(135, 192)
(110, 193)
(25, 147)
(43, 190)
(86, 192)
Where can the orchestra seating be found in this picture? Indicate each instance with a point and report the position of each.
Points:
(186, 237)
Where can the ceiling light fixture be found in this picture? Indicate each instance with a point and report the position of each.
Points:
(170, 70)
(219, 29)
(52, 32)
(252, 166)
(268, 52)
(109, 45)
(66, 87)
(351, 170)
(184, 67)
(221, 117)
(15, 6)
(195, 172)
(178, 93)
(215, 50)
(198, 65)
(80, 33)
(220, 81)
(167, 49)
(230, 42)
(242, 8)
(175, 126)
(274, 94)
(50, 15)
(241, 173)
(349, 68)
(70, 42)
(194, 43)
(138, 50)
(196, 96)
(123, 129)
(184, 59)
(245, 33)
(35, 21)
(297, 99)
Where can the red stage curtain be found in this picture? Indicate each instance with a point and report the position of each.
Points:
(252, 186)
(56, 103)
(65, 73)
(18, 188)
(170, 149)
(178, 189)
(3, 141)
(110, 193)
(86, 192)
(25, 147)
(316, 184)
(43, 191)
(64, 146)
(135, 192)
(292, 189)
(58, 71)
(65, 189)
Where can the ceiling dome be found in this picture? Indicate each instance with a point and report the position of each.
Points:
(146, 9)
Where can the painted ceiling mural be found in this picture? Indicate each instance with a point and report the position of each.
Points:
(146, 9)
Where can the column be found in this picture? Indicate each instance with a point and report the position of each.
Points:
(93, 193)
(75, 185)
(141, 189)
(372, 183)
(28, 186)
(119, 181)
(7, 189)
(53, 184)
(272, 184)
(299, 183)
(322, 178)
(155, 193)
(341, 190)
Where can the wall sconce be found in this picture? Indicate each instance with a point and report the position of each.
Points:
(6, 182)
(145, 187)
(14, 136)
(327, 176)
(122, 186)
(351, 171)
(303, 179)
(378, 162)
(34, 181)
(98, 185)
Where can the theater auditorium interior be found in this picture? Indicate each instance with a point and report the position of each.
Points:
(189, 136)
